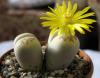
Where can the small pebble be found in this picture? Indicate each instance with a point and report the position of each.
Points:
(7, 57)
(77, 56)
(8, 62)
(21, 73)
(70, 76)
(10, 69)
(12, 54)
(14, 59)
(24, 74)
(20, 69)
(21, 76)
(13, 77)
(5, 72)
(13, 72)
(52, 73)
(29, 73)
(56, 71)
(43, 49)
(35, 75)
(60, 72)
(4, 69)
(65, 69)
(81, 64)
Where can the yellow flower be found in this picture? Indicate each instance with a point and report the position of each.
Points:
(66, 19)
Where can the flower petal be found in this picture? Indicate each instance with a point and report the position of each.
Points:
(86, 21)
(79, 29)
(74, 9)
(69, 8)
(50, 14)
(53, 31)
(86, 27)
(46, 18)
(79, 13)
(86, 15)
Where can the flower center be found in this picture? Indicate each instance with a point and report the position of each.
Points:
(67, 20)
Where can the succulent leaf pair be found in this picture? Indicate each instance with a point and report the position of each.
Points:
(28, 51)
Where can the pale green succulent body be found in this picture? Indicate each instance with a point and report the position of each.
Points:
(61, 51)
(63, 21)
(28, 52)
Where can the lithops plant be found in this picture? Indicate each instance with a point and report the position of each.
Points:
(28, 52)
(63, 45)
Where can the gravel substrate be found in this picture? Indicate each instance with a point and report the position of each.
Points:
(9, 68)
